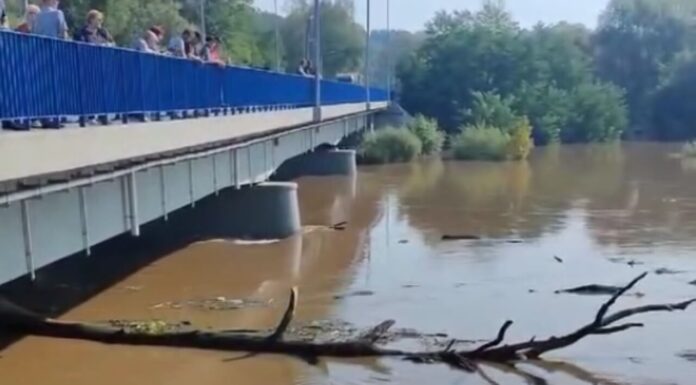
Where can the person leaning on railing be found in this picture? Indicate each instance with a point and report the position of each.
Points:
(51, 21)
(93, 31)
(149, 41)
(27, 25)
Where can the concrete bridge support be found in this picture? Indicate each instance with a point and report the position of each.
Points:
(266, 211)
(319, 163)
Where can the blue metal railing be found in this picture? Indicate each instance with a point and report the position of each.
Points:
(44, 78)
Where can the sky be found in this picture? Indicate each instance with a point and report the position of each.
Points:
(413, 14)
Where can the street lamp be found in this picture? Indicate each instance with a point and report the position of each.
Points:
(367, 57)
(203, 26)
(389, 53)
(317, 60)
(277, 35)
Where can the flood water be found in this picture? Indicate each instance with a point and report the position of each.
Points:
(595, 208)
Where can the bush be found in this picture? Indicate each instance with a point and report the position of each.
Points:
(480, 143)
(429, 134)
(490, 143)
(390, 145)
(520, 143)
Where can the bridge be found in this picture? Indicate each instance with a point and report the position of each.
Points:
(135, 137)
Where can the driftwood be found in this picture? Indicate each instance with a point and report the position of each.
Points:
(21, 321)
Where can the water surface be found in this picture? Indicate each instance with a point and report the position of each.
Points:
(594, 207)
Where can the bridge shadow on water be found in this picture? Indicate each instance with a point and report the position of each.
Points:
(72, 281)
(67, 283)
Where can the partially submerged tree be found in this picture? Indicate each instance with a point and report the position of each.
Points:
(18, 320)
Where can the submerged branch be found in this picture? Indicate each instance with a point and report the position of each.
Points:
(21, 321)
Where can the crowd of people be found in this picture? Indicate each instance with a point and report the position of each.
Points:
(48, 20)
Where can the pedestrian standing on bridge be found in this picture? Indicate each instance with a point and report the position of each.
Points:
(93, 31)
(3, 15)
(149, 42)
(51, 21)
(29, 19)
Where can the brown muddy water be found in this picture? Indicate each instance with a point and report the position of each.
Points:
(595, 208)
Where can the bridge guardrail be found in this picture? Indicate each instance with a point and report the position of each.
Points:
(45, 78)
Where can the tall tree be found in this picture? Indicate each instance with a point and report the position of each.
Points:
(483, 68)
(342, 39)
(636, 40)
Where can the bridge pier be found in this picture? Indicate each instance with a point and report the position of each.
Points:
(319, 163)
(264, 211)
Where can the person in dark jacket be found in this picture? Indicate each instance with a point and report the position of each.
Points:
(93, 31)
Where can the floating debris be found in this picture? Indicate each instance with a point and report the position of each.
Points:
(666, 271)
(133, 288)
(461, 238)
(214, 304)
(693, 283)
(591, 290)
(152, 327)
(252, 242)
(689, 355)
(358, 293)
(409, 286)
(514, 241)
(558, 259)
(339, 226)
(403, 241)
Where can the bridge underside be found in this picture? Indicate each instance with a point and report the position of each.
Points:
(69, 190)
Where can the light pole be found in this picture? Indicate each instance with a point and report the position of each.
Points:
(203, 27)
(389, 53)
(277, 35)
(367, 57)
(317, 60)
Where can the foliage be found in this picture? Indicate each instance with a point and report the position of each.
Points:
(490, 109)
(428, 133)
(390, 145)
(520, 142)
(636, 42)
(484, 69)
(595, 115)
(342, 39)
(387, 50)
(673, 114)
(480, 143)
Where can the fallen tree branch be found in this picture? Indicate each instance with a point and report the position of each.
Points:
(21, 321)
(287, 317)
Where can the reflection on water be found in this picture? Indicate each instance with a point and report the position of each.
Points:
(595, 207)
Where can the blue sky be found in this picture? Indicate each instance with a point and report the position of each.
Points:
(412, 14)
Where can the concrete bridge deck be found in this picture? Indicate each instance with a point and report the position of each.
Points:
(68, 190)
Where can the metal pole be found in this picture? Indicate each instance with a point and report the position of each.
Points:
(277, 35)
(203, 26)
(389, 53)
(367, 57)
(317, 60)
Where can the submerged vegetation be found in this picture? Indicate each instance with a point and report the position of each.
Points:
(429, 134)
(390, 145)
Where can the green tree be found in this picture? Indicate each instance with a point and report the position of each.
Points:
(484, 69)
(635, 41)
(342, 39)
(673, 113)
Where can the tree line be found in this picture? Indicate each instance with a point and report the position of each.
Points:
(631, 77)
